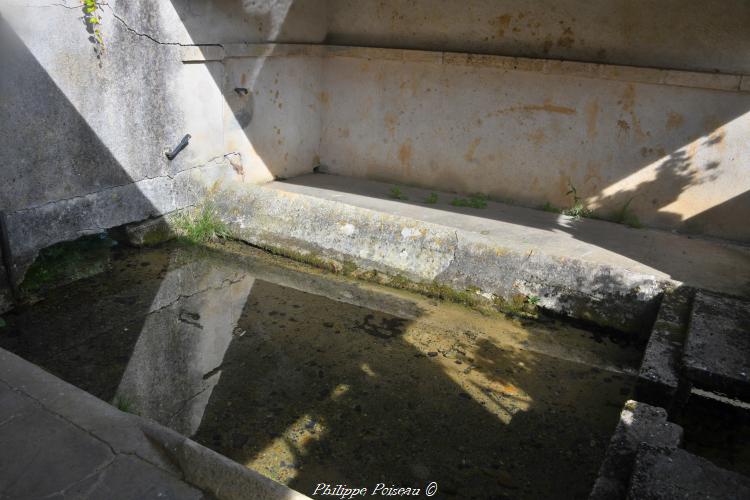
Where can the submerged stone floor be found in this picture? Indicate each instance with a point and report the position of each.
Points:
(307, 377)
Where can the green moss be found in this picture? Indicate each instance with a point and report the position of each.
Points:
(519, 305)
(67, 261)
(200, 225)
(349, 268)
(157, 235)
(474, 201)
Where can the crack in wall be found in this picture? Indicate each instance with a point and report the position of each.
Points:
(152, 38)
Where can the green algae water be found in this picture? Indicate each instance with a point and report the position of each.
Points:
(311, 378)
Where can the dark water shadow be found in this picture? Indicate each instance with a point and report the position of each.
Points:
(260, 364)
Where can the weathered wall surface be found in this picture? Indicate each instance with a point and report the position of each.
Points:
(82, 136)
(83, 132)
(679, 34)
(272, 113)
(669, 154)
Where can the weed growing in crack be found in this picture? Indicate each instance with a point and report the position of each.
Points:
(124, 404)
(396, 193)
(200, 225)
(432, 199)
(578, 209)
(626, 216)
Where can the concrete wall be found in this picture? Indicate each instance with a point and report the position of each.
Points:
(680, 34)
(83, 131)
(524, 131)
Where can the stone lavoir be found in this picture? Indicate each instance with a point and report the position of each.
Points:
(476, 249)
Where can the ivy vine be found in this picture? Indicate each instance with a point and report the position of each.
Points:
(92, 17)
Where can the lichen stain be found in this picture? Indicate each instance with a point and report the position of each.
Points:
(469, 156)
(674, 120)
(592, 113)
(344, 133)
(324, 98)
(623, 125)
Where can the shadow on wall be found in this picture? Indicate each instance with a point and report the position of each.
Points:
(271, 118)
(659, 155)
(53, 164)
(668, 153)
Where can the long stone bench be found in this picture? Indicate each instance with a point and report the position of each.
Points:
(606, 273)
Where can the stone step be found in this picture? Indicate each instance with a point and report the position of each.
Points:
(717, 348)
(667, 473)
(639, 423)
(660, 381)
(644, 460)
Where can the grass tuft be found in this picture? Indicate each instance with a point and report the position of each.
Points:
(474, 201)
(201, 225)
(432, 199)
(397, 194)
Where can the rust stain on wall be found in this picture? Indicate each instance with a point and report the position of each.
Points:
(537, 137)
(405, 153)
(628, 106)
(592, 114)
(391, 121)
(469, 156)
(674, 120)
(549, 108)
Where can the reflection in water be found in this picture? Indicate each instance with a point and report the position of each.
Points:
(309, 378)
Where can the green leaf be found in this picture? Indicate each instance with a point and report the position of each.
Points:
(2, 323)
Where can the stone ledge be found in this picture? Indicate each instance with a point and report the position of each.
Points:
(31, 229)
(635, 74)
(505, 267)
(170, 459)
